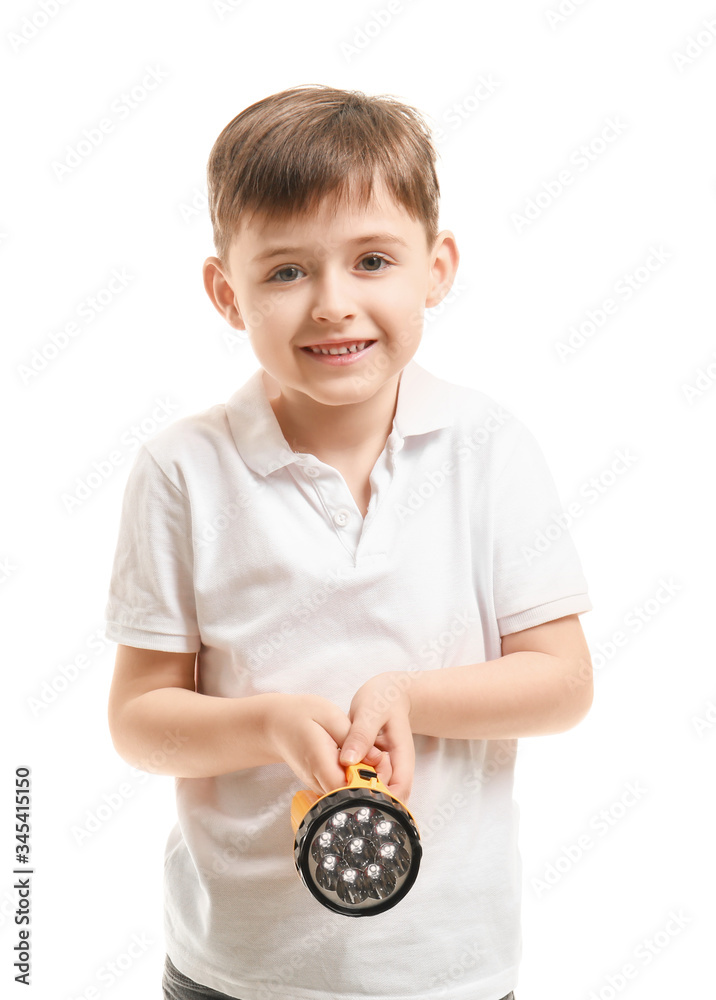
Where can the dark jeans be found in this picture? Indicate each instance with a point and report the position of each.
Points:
(177, 986)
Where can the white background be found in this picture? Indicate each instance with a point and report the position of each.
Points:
(522, 289)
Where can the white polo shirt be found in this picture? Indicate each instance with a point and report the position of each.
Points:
(258, 558)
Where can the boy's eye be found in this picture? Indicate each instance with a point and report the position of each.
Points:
(282, 271)
(373, 260)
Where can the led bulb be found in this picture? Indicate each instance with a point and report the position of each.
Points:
(352, 886)
(327, 871)
(359, 851)
(381, 881)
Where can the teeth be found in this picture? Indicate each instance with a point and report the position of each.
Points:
(359, 346)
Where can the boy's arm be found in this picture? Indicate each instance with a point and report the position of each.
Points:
(160, 723)
(541, 684)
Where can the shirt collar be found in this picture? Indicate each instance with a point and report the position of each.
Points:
(423, 406)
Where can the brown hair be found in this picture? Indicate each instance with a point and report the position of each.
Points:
(284, 153)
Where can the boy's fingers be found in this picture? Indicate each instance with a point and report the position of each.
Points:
(402, 759)
(329, 772)
(384, 769)
(356, 745)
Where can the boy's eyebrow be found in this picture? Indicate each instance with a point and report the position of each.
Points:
(371, 238)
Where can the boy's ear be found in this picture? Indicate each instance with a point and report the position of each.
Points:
(219, 290)
(445, 259)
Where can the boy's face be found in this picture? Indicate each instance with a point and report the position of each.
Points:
(328, 277)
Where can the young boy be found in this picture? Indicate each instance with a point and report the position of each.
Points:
(348, 544)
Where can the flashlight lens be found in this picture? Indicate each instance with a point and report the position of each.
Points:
(386, 831)
(381, 881)
(359, 860)
(393, 857)
(325, 843)
(352, 886)
(364, 820)
(328, 870)
(359, 852)
(341, 825)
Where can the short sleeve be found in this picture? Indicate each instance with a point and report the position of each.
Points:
(537, 574)
(151, 593)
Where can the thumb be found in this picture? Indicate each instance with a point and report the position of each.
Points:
(355, 746)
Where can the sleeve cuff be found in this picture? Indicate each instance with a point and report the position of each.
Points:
(116, 632)
(576, 604)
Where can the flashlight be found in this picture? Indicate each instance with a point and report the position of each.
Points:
(357, 849)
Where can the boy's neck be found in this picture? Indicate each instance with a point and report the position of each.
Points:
(350, 430)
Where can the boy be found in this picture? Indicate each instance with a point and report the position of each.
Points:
(345, 546)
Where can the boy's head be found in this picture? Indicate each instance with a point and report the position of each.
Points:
(306, 187)
(282, 155)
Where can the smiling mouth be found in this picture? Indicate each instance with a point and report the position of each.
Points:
(349, 347)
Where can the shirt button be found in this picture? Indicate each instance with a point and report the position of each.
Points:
(312, 470)
(341, 517)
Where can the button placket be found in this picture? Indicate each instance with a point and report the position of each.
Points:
(330, 493)
(341, 517)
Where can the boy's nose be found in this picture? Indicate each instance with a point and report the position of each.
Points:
(333, 301)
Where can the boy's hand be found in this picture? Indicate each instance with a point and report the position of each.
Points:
(380, 716)
(307, 731)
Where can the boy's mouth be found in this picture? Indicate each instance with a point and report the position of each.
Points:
(337, 349)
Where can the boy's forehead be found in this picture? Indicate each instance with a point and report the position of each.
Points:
(346, 218)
